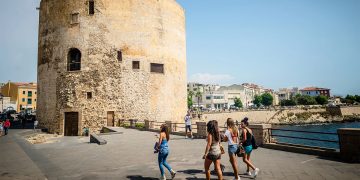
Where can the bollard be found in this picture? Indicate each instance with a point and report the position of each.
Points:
(201, 130)
(169, 124)
(349, 139)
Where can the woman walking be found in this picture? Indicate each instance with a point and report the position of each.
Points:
(212, 151)
(246, 143)
(163, 148)
(232, 136)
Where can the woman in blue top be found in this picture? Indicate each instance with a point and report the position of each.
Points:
(164, 151)
(246, 143)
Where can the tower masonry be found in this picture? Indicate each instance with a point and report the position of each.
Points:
(100, 61)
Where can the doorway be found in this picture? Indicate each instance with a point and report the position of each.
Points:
(110, 118)
(71, 127)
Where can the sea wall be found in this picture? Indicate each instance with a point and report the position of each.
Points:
(288, 116)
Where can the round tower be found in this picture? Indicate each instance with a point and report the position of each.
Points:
(101, 61)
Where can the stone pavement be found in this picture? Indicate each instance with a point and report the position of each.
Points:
(130, 156)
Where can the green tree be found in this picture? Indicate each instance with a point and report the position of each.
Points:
(189, 102)
(321, 99)
(238, 103)
(306, 100)
(257, 100)
(267, 99)
(357, 98)
(286, 102)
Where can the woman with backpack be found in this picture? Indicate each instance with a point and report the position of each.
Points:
(212, 150)
(163, 149)
(247, 136)
(232, 137)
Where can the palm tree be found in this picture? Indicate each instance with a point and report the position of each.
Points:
(199, 96)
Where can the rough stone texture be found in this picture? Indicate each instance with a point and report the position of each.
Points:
(151, 31)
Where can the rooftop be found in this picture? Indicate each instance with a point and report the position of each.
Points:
(314, 89)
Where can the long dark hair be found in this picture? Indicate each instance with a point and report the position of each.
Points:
(213, 129)
(231, 124)
(164, 128)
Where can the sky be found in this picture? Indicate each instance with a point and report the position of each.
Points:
(276, 44)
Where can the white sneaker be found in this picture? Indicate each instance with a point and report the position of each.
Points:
(163, 177)
(256, 172)
(237, 178)
(173, 173)
(248, 173)
(186, 137)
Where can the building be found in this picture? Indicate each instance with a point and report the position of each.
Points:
(287, 94)
(315, 91)
(24, 95)
(6, 104)
(101, 61)
(1, 85)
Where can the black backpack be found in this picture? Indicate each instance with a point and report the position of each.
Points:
(253, 142)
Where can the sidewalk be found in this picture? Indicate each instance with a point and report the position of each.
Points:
(130, 156)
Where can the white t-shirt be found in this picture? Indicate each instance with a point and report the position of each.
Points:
(187, 120)
(230, 139)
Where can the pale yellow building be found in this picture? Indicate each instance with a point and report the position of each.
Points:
(24, 94)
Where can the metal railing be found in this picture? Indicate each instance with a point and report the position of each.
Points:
(298, 136)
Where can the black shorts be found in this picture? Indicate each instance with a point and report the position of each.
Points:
(213, 157)
(188, 127)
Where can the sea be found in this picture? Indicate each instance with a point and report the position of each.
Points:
(326, 128)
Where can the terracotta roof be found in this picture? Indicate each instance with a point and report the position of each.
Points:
(314, 89)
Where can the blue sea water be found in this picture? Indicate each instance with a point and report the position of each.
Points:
(328, 128)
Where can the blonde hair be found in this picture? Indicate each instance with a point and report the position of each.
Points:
(231, 124)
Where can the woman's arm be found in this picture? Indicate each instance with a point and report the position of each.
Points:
(209, 141)
(160, 140)
(225, 137)
(244, 135)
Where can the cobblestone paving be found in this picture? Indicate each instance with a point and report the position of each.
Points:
(130, 156)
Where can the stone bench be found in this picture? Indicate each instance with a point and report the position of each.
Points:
(94, 138)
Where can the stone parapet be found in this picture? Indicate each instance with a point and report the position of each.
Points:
(201, 129)
(261, 133)
(349, 139)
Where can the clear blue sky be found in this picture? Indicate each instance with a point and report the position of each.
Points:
(278, 43)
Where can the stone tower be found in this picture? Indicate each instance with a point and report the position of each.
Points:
(104, 60)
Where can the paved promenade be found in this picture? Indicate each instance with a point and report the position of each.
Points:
(130, 156)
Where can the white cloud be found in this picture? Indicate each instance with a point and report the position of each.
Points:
(207, 78)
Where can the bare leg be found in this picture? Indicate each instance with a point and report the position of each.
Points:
(248, 162)
(233, 162)
(218, 169)
(207, 164)
(248, 167)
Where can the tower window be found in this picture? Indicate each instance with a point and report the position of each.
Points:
(91, 7)
(119, 56)
(74, 18)
(74, 60)
(89, 95)
(157, 68)
(136, 64)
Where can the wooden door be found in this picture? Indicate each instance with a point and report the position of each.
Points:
(110, 118)
(71, 127)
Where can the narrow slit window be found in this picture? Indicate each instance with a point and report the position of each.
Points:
(157, 68)
(136, 64)
(91, 7)
(89, 95)
(119, 56)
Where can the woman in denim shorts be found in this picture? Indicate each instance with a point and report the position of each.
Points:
(232, 137)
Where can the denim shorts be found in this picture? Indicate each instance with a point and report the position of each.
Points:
(248, 149)
(232, 149)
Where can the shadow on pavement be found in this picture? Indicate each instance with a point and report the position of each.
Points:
(191, 171)
(138, 177)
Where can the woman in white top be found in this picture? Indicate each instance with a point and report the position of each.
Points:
(231, 136)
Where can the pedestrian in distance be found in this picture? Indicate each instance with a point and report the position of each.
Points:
(232, 137)
(7, 125)
(212, 151)
(1, 128)
(188, 126)
(163, 150)
(247, 136)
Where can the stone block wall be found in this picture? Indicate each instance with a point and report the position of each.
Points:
(151, 31)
